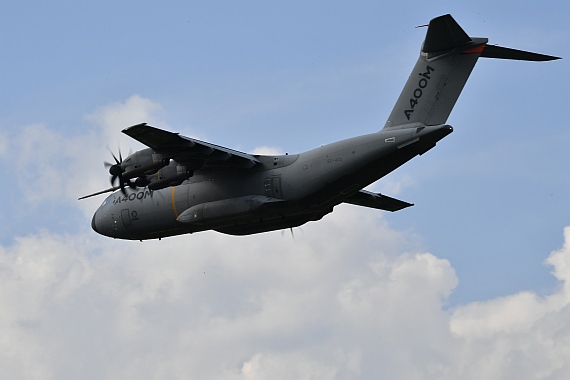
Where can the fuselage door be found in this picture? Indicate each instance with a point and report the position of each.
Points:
(273, 187)
(126, 218)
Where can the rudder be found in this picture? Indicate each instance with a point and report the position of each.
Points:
(439, 75)
(446, 60)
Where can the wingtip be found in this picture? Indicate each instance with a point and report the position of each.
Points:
(134, 126)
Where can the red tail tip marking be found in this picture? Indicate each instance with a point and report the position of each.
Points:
(476, 49)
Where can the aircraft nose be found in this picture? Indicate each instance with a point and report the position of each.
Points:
(93, 223)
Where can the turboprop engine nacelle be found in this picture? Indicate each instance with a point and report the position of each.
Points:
(142, 162)
(171, 175)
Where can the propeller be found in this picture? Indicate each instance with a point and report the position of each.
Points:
(100, 192)
(292, 233)
(116, 172)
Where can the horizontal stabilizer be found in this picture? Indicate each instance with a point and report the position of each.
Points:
(494, 51)
(447, 57)
(376, 200)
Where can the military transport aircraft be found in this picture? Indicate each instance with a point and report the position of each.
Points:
(181, 185)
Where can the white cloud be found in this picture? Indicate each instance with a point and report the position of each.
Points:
(335, 302)
(287, 366)
(393, 184)
(267, 150)
(348, 297)
(519, 312)
(3, 145)
(50, 165)
(180, 306)
(522, 335)
(113, 118)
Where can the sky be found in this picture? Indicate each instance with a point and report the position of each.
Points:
(472, 282)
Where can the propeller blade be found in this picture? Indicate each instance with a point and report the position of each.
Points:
(99, 192)
(116, 172)
(122, 185)
(112, 154)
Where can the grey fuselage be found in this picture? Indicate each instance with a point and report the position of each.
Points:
(208, 187)
(281, 192)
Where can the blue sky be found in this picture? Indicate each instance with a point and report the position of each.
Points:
(490, 200)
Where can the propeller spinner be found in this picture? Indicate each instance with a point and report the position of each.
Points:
(116, 171)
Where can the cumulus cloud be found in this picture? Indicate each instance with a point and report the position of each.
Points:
(527, 331)
(3, 145)
(346, 297)
(286, 366)
(113, 118)
(336, 302)
(267, 150)
(50, 164)
(193, 306)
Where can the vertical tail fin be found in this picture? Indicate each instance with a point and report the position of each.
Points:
(446, 60)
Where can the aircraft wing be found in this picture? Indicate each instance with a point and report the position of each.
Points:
(376, 200)
(188, 150)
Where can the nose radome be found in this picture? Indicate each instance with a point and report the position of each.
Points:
(93, 224)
